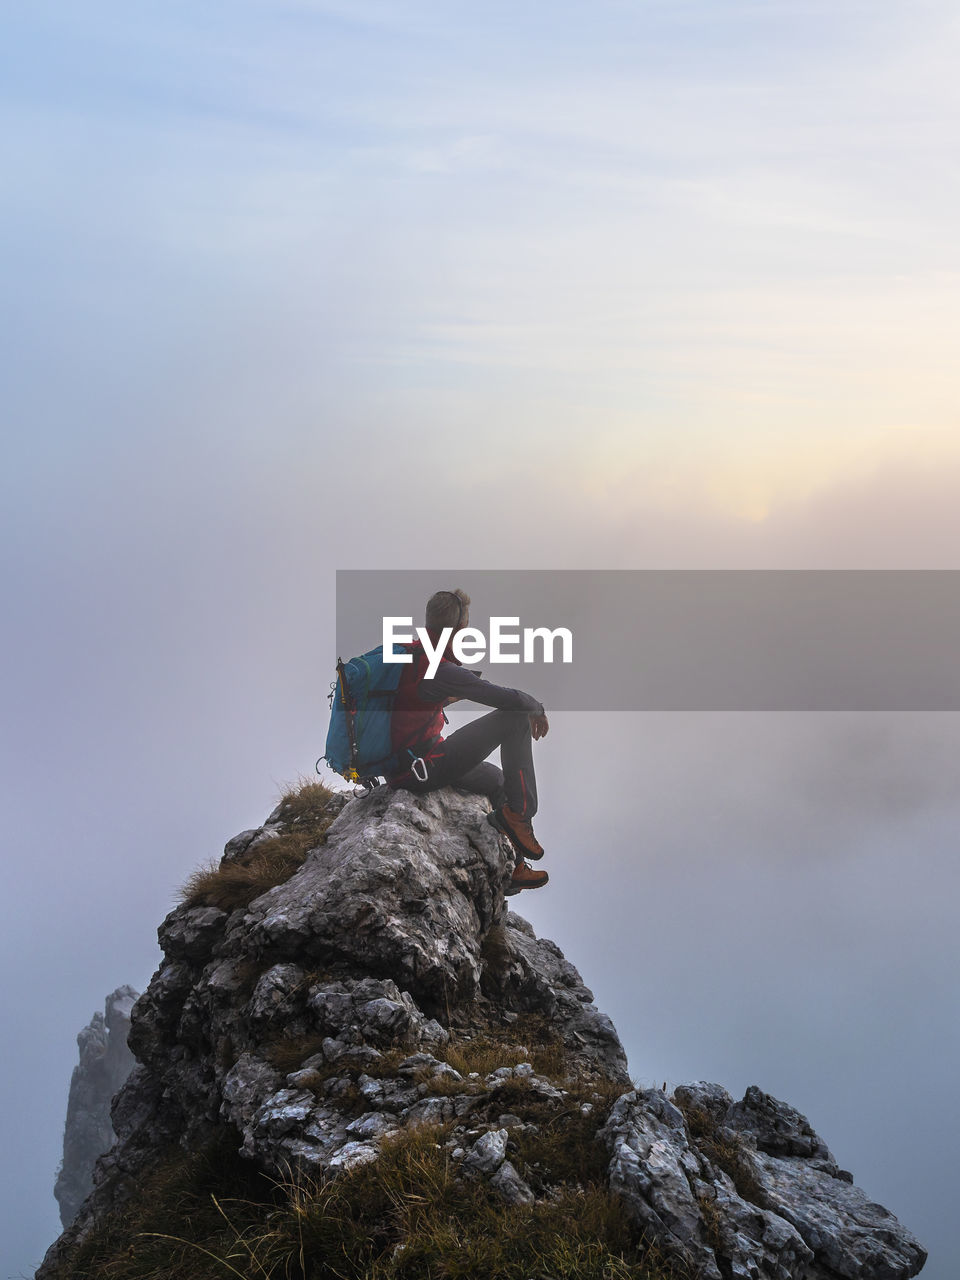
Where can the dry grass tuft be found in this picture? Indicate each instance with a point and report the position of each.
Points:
(173, 1228)
(230, 885)
(290, 1055)
(407, 1216)
(532, 1038)
(726, 1150)
(304, 802)
(712, 1223)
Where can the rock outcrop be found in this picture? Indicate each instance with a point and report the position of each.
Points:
(747, 1189)
(340, 1008)
(105, 1062)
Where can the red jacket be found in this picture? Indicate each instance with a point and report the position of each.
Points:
(415, 723)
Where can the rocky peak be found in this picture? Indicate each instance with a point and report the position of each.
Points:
(105, 1062)
(383, 988)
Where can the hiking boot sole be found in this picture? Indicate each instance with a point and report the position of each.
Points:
(518, 888)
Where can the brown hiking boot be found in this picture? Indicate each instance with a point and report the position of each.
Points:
(519, 830)
(525, 877)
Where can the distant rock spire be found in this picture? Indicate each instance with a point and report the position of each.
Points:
(105, 1062)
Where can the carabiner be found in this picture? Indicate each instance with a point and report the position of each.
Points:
(420, 773)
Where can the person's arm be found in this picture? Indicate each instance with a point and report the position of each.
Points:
(453, 681)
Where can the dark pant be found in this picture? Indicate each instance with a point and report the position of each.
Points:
(459, 761)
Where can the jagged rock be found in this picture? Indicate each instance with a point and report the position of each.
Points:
(105, 1063)
(316, 1021)
(280, 995)
(352, 1154)
(529, 974)
(511, 1186)
(237, 847)
(190, 935)
(488, 1152)
(751, 1241)
(775, 1127)
(348, 902)
(655, 1170)
(788, 1210)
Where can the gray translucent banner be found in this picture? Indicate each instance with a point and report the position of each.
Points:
(698, 640)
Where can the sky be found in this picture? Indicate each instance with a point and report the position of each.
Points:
(294, 287)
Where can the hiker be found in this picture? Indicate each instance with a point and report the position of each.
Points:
(461, 760)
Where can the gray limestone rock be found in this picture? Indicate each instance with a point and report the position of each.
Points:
(349, 902)
(655, 1170)
(511, 1186)
(777, 1128)
(279, 995)
(526, 974)
(488, 1152)
(849, 1234)
(105, 1063)
(245, 1088)
(781, 1210)
(239, 844)
(190, 934)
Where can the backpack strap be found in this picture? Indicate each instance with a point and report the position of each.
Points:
(350, 712)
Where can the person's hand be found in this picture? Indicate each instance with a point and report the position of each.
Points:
(538, 727)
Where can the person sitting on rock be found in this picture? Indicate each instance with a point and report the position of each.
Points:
(461, 759)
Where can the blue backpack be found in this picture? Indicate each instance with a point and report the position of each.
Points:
(361, 706)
